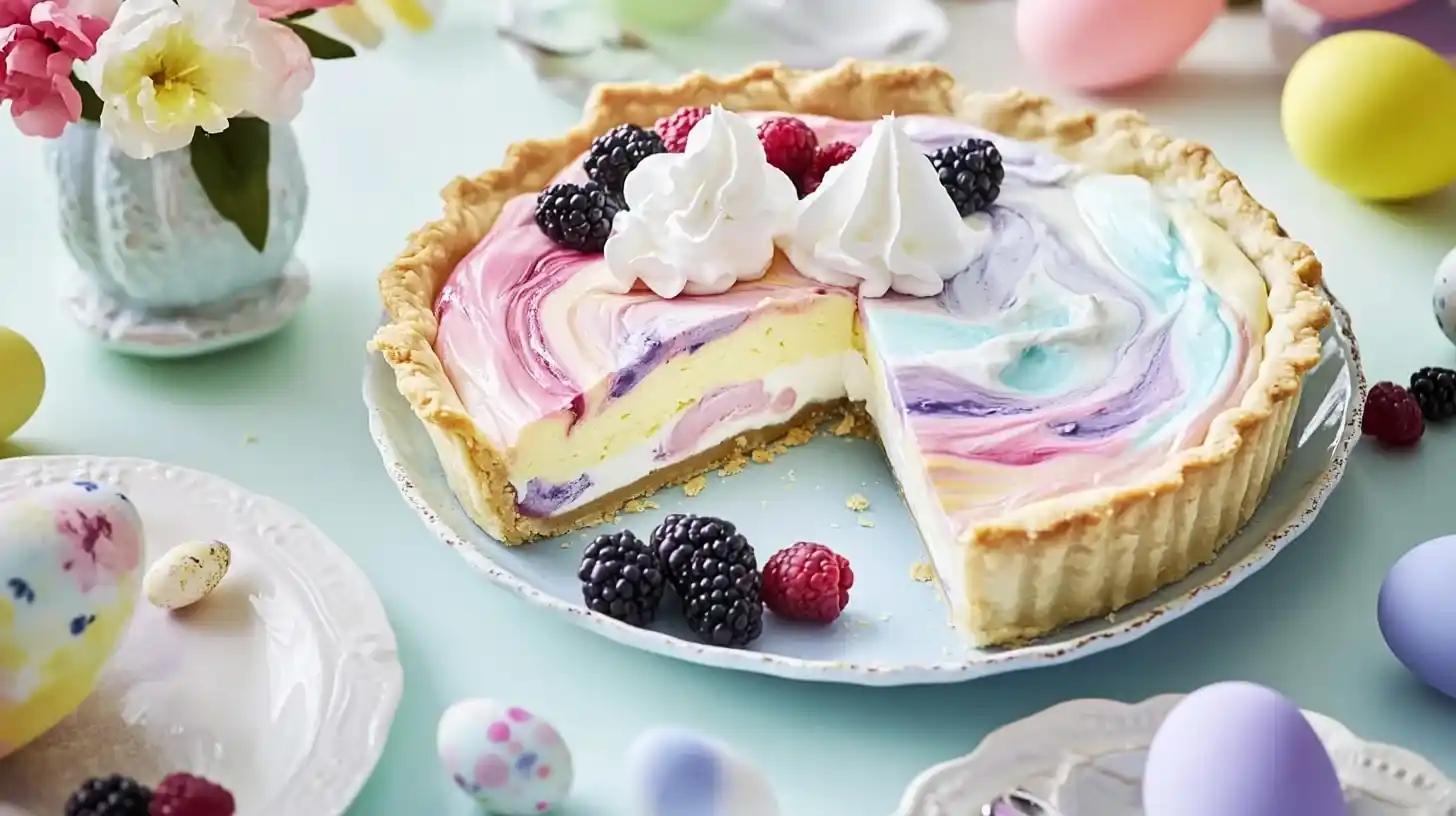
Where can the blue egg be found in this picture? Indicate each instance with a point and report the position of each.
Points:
(1417, 612)
(673, 772)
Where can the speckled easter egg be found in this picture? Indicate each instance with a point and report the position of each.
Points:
(186, 574)
(510, 760)
(1239, 748)
(22, 382)
(1415, 610)
(1443, 296)
(1099, 45)
(672, 772)
(69, 561)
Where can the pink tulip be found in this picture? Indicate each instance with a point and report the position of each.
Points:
(275, 9)
(40, 42)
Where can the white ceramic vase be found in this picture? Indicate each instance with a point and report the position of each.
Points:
(161, 272)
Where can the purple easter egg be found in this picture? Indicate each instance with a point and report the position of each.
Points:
(1239, 748)
(1417, 612)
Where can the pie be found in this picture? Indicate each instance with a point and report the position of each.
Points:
(1083, 388)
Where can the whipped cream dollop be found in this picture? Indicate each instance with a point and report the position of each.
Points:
(700, 221)
(883, 222)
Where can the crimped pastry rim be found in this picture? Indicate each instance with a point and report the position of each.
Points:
(1116, 141)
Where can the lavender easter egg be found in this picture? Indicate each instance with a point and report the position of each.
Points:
(1239, 748)
(679, 773)
(1417, 613)
(70, 557)
(507, 758)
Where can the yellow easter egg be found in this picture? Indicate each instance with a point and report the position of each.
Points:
(70, 559)
(1374, 114)
(22, 382)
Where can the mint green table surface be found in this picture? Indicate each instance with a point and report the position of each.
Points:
(383, 133)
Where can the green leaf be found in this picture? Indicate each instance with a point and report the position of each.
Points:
(90, 102)
(233, 169)
(299, 15)
(321, 46)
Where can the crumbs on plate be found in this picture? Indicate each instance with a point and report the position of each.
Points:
(695, 485)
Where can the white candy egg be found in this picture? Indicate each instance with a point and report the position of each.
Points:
(510, 760)
(674, 772)
(187, 573)
(1443, 296)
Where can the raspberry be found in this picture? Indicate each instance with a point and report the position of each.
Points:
(825, 157)
(1392, 415)
(674, 129)
(790, 145)
(807, 582)
(183, 794)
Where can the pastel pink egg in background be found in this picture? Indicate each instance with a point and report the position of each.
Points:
(1096, 45)
(1353, 9)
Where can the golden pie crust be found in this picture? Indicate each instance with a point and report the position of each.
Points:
(1032, 571)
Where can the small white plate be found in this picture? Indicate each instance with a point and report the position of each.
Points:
(281, 686)
(895, 630)
(1086, 757)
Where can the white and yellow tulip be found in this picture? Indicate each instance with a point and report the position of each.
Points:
(166, 68)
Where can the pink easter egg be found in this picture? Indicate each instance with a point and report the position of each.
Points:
(1353, 9)
(1096, 45)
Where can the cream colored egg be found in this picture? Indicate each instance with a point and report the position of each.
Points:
(186, 574)
(22, 381)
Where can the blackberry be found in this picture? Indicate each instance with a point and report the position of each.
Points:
(971, 174)
(617, 152)
(577, 216)
(114, 795)
(681, 536)
(1435, 390)
(723, 602)
(621, 578)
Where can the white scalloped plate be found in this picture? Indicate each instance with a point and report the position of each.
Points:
(282, 685)
(1086, 758)
(895, 630)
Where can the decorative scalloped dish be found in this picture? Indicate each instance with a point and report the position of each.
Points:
(282, 685)
(1085, 757)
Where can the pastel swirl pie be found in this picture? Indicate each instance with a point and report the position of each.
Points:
(1084, 390)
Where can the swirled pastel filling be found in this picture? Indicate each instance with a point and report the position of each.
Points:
(1099, 326)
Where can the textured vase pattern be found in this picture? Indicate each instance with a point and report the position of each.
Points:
(145, 233)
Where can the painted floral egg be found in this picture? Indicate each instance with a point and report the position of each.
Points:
(70, 557)
(511, 761)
